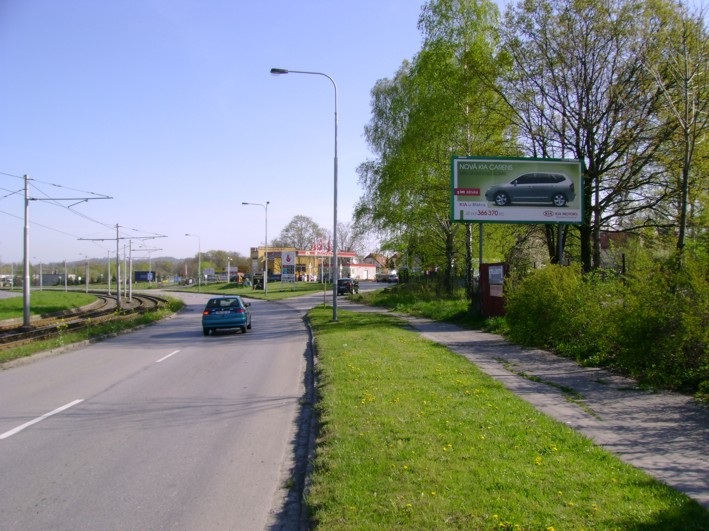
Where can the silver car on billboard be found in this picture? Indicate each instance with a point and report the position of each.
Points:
(539, 187)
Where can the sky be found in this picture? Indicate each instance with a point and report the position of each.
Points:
(168, 108)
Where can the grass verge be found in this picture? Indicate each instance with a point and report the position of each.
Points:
(423, 301)
(43, 303)
(415, 437)
(93, 332)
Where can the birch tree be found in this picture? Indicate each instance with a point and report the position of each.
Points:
(434, 107)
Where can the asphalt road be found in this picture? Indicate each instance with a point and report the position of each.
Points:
(162, 428)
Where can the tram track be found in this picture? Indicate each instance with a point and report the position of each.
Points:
(14, 334)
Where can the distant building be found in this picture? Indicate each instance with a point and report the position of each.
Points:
(312, 265)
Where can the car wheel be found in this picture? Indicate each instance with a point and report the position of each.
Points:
(502, 199)
(243, 329)
(248, 326)
(205, 331)
(559, 199)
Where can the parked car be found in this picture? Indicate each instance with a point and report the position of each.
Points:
(392, 277)
(226, 312)
(344, 286)
(555, 188)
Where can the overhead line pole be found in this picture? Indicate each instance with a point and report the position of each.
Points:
(118, 256)
(26, 251)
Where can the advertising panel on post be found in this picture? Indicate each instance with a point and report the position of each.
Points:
(516, 190)
(288, 266)
(143, 276)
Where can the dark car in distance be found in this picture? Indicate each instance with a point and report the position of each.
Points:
(344, 286)
(222, 313)
(540, 187)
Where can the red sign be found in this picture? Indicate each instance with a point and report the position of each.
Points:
(468, 191)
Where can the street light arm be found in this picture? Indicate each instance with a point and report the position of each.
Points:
(283, 71)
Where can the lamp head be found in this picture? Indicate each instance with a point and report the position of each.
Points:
(278, 71)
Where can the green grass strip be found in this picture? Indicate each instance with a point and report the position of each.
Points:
(92, 333)
(415, 437)
(43, 303)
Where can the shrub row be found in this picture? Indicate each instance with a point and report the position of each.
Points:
(652, 324)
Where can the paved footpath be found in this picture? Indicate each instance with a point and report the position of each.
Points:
(665, 434)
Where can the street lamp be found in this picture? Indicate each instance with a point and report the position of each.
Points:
(199, 261)
(281, 71)
(265, 244)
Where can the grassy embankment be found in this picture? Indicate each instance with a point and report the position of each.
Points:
(415, 437)
(48, 302)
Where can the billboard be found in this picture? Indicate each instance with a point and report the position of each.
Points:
(516, 190)
(143, 276)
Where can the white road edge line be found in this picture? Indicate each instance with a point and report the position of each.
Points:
(39, 419)
(171, 354)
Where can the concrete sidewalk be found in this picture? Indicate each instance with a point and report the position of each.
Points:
(665, 434)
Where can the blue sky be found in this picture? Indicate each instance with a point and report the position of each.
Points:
(168, 107)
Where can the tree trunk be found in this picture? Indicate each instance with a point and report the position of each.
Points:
(450, 263)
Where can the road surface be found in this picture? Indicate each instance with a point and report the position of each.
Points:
(161, 428)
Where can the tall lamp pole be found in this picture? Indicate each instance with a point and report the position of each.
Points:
(199, 260)
(265, 244)
(281, 71)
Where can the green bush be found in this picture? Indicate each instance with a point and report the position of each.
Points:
(662, 328)
(653, 324)
(559, 308)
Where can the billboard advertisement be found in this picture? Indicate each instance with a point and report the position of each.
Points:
(520, 190)
(143, 276)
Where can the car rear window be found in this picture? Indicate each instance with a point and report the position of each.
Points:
(222, 303)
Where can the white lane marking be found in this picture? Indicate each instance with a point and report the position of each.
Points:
(39, 419)
(171, 354)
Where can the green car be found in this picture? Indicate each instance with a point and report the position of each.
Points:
(223, 313)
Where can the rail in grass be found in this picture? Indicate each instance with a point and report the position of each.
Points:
(104, 309)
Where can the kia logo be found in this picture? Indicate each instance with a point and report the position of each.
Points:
(549, 213)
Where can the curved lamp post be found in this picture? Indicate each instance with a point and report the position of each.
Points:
(281, 71)
(199, 260)
(265, 243)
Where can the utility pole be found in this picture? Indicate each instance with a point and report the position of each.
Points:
(118, 239)
(26, 273)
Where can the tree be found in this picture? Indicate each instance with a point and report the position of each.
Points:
(301, 232)
(682, 74)
(578, 88)
(433, 108)
(351, 238)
